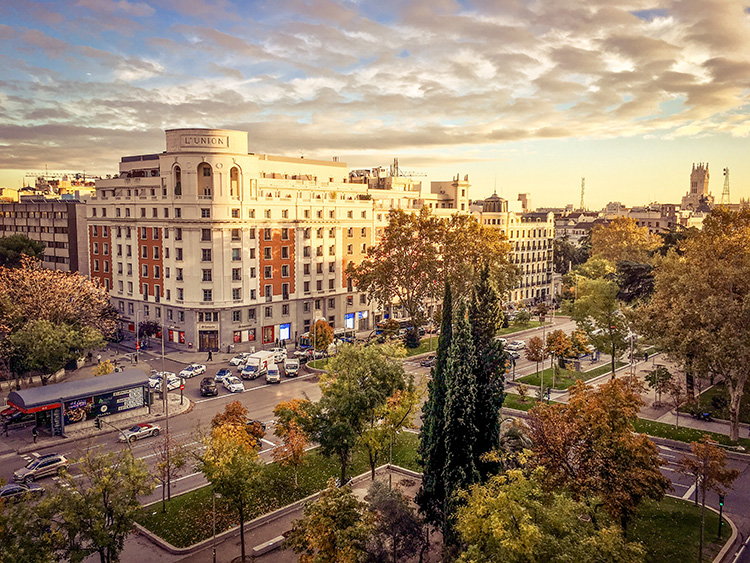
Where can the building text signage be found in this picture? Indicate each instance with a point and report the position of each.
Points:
(205, 141)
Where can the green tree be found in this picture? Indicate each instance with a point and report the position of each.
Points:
(590, 447)
(44, 347)
(459, 418)
(26, 532)
(149, 328)
(658, 379)
(334, 529)
(567, 254)
(431, 448)
(171, 458)
(535, 351)
(699, 313)
(623, 239)
(398, 533)
(598, 313)
(322, 335)
(485, 317)
(634, 280)
(96, 511)
(232, 466)
(513, 518)
(355, 388)
(707, 466)
(523, 318)
(559, 346)
(14, 247)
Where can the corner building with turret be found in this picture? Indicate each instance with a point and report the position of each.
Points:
(226, 247)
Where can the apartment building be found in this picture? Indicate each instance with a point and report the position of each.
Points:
(530, 235)
(226, 247)
(59, 224)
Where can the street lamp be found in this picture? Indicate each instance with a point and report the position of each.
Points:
(166, 415)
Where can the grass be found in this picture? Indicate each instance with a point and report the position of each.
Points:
(718, 395)
(670, 531)
(566, 378)
(518, 328)
(424, 346)
(513, 401)
(684, 434)
(188, 518)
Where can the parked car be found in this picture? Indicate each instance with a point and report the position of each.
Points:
(192, 370)
(279, 355)
(222, 374)
(173, 382)
(239, 359)
(142, 430)
(16, 492)
(514, 355)
(208, 387)
(234, 384)
(8, 412)
(42, 466)
(516, 345)
(428, 361)
(503, 341)
(291, 367)
(273, 375)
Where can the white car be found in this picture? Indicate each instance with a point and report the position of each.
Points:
(516, 345)
(234, 384)
(273, 375)
(192, 370)
(279, 355)
(291, 367)
(155, 381)
(142, 430)
(239, 359)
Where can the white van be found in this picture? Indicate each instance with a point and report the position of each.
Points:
(291, 367)
(273, 375)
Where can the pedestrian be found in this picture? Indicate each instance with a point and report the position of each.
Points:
(5, 427)
(645, 356)
(98, 359)
(34, 433)
(210, 356)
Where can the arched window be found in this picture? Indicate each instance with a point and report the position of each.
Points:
(177, 180)
(234, 182)
(205, 181)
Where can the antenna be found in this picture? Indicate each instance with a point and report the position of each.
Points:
(725, 193)
(583, 188)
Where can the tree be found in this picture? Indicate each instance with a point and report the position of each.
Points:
(14, 248)
(658, 379)
(431, 448)
(590, 447)
(26, 532)
(405, 264)
(598, 313)
(634, 280)
(559, 346)
(623, 239)
(292, 450)
(707, 466)
(699, 313)
(567, 254)
(96, 511)
(514, 519)
(104, 368)
(322, 335)
(149, 328)
(676, 396)
(334, 529)
(357, 384)
(485, 317)
(232, 466)
(459, 419)
(398, 533)
(45, 347)
(523, 317)
(535, 351)
(171, 459)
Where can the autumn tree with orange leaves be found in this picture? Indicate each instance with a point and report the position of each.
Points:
(589, 447)
(294, 440)
(49, 317)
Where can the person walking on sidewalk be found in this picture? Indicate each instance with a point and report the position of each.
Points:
(34, 433)
(210, 356)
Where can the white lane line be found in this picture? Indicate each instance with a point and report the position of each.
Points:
(689, 492)
(269, 442)
(669, 455)
(256, 388)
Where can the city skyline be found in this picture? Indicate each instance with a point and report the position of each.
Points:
(522, 97)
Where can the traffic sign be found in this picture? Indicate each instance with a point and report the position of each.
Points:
(182, 387)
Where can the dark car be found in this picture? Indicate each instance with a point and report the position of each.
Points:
(15, 492)
(427, 362)
(208, 387)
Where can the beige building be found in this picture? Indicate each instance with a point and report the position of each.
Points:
(530, 235)
(228, 247)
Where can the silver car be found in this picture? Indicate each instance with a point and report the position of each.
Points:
(139, 431)
(42, 466)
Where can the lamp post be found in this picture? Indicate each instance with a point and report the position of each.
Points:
(166, 415)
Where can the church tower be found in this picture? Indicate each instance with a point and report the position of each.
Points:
(698, 188)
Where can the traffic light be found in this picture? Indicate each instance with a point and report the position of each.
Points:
(721, 500)
(98, 423)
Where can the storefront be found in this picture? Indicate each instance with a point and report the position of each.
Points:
(80, 402)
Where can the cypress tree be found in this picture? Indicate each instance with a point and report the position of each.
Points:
(486, 317)
(459, 416)
(431, 495)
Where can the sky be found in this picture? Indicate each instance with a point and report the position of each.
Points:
(524, 96)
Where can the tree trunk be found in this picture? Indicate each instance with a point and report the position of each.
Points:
(242, 529)
(373, 461)
(703, 524)
(613, 360)
(296, 483)
(163, 498)
(735, 401)
(343, 457)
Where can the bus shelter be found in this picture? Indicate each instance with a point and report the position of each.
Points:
(68, 403)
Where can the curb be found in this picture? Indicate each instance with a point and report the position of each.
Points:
(256, 522)
(729, 543)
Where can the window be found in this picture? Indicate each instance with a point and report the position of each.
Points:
(317, 304)
(251, 234)
(363, 232)
(207, 275)
(319, 285)
(285, 290)
(332, 250)
(349, 249)
(181, 316)
(177, 212)
(144, 290)
(130, 269)
(235, 234)
(156, 253)
(144, 269)
(285, 233)
(350, 232)
(306, 307)
(268, 291)
(285, 309)
(106, 267)
(331, 267)
(251, 214)
(154, 212)
(268, 312)
(332, 232)
(96, 248)
(285, 213)
(166, 272)
(307, 251)
(267, 272)
(236, 275)
(306, 269)
(332, 214)
(319, 267)
(157, 310)
(307, 287)
(284, 252)
(178, 274)
(266, 234)
(206, 254)
(119, 250)
(205, 234)
(285, 271)
(206, 211)
(93, 211)
(364, 215)
(236, 316)
(252, 272)
(350, 214)
(236, 254)
(235, 213)
(131, 309)
(143, 211)
(251, 314)
(236, 293)
(267, 213)
(104, 229)
(252, 254)
(320, 232)
(252, 294)
(364, 248)
(105, 249)
(130, 288)
(144, 251)
(330, 284)
(119, 267)
(166, 212)
(307, 213)
(207, 295)
(363, 299)
(266, 252)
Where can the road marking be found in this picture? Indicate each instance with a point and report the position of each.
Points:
(669, 455)
(269, 442)
(256, 388)
(689, 492)
(680, 485)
